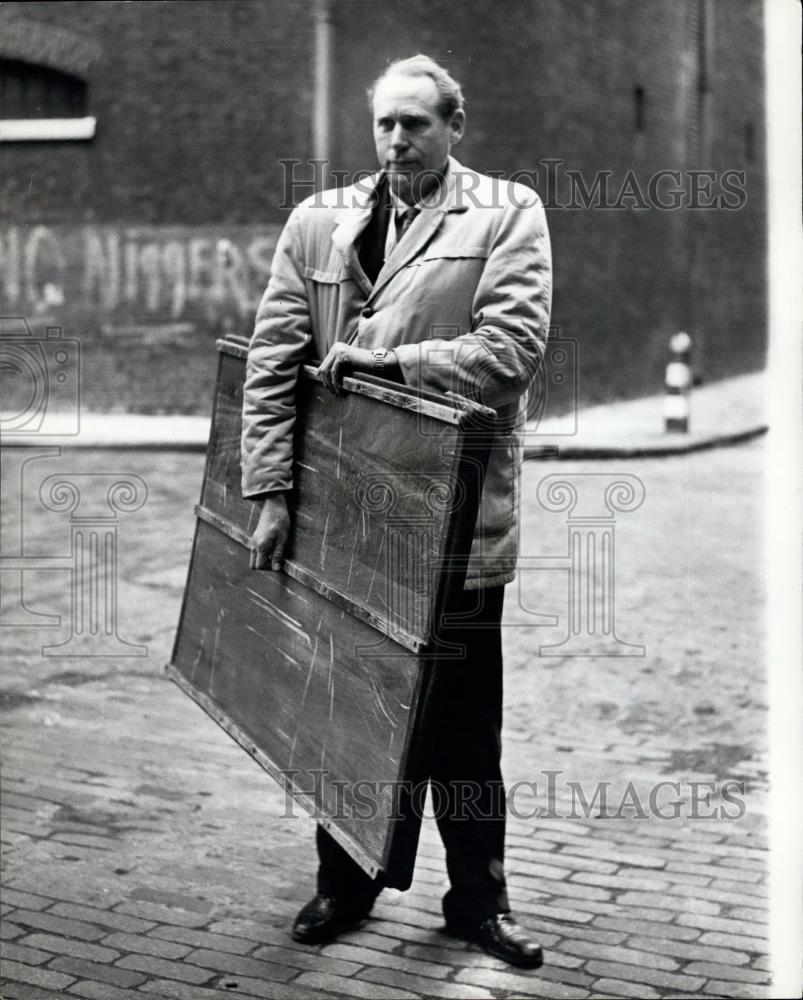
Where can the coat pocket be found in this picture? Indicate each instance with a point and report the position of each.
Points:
(324, 277)
(454, 251)
(333, 300)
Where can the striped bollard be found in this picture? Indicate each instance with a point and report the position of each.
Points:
(678, 384)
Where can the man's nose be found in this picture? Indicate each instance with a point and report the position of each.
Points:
(398, 137)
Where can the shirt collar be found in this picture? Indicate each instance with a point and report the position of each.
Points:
(432, 198)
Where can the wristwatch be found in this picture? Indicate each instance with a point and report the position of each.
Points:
(379, 353)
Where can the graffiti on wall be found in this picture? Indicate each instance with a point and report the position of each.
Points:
(153, 274)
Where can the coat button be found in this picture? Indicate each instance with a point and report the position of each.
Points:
(368, 312)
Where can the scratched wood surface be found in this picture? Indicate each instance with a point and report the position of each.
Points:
(302, 680)
(371, 495)
(321, 671)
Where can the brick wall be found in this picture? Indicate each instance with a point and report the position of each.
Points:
(196, 104)
(559, 81)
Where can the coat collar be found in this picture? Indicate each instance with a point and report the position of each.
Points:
(353, 220)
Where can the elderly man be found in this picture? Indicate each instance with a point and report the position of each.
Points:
(432, 275)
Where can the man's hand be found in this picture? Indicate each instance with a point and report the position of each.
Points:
(270, 536)
(341, 360)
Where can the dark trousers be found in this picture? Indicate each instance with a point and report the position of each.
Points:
(462, 741)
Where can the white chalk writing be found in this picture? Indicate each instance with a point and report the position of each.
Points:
(149, 273)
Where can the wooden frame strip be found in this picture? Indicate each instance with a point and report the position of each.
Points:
(410, 641)
(453, 411)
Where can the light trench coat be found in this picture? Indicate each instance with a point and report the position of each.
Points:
(464, 301)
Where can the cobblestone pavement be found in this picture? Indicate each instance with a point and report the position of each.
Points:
(146, 854)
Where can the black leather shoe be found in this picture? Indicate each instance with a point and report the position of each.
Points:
(323, 918)
(502, 937)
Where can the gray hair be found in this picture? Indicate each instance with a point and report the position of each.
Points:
(450, 94)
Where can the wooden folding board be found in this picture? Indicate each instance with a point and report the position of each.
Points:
(321, 671)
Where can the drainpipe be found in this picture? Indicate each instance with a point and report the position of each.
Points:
(322, 89)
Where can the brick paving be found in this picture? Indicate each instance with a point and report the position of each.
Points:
(147, 855)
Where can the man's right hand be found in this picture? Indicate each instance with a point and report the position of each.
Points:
(270, 536)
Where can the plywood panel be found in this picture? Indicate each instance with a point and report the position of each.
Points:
(369, 491)
(321, 671)
(284, 663)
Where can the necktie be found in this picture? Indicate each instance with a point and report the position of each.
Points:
(402, 222)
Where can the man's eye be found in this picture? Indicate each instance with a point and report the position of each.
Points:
(385, 125)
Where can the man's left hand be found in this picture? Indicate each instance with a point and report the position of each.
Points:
(341, 360)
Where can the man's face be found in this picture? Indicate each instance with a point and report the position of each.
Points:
(412, 139)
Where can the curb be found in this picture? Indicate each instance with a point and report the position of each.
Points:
(158, 439)
(644, 448)
(121, 432)
(90, 443)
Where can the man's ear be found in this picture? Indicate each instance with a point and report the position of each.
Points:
(457, 126)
